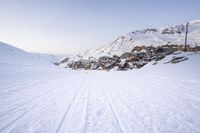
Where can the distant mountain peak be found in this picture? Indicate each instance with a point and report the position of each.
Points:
(173, 35)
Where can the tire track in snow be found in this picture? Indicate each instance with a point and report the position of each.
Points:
(90, 123)
(31, 83)
(149, 101)
(38, 82)
(15, 120)
(114, 112)
(25, 103)
(141, 123)
(69, 107)
(25, 112)
(86, 112)
(5, 127)
(28, 102)
(125, 86)
(98, 113)
(140, 119)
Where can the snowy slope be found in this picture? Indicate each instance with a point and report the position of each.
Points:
(13, 55)
(37, 97)
(161, 98)
(155, 37)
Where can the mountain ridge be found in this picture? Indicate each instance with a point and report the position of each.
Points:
(154, 38)
(13, 55)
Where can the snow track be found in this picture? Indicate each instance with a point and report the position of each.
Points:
(117, 118)
(53, 100)
(68, 108)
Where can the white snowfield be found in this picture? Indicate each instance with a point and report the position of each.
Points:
(162, 98)
(13, 55)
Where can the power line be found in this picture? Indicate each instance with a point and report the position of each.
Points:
(117, 15)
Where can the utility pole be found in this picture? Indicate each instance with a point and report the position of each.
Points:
(186, 32)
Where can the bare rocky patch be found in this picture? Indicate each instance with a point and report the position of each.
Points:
(135, 59)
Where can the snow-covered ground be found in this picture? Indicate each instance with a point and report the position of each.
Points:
(13, 55)
(161, 98)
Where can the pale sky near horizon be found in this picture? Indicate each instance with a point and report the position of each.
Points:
(70, 26)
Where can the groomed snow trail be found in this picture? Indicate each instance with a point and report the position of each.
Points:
(54, 100)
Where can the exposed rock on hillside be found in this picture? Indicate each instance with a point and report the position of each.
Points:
(137, 58)
(137, 48)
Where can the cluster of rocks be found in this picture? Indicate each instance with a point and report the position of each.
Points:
(144, 31)
(62, 61)
(173, 29)
(175, 59)
(137, 58)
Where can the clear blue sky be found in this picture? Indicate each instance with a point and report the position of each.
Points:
(68, 26)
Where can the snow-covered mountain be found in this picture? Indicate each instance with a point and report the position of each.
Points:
(13, 55)
(162, 98)
(155, 37)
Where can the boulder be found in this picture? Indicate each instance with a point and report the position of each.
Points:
(106, 62)
(133, 58)
(137, 49)
(125, 55)
(123, 66)
(159, 50)
(62, 61)
(167, 31)
(159, 57)
(94, 66)
(116, 58)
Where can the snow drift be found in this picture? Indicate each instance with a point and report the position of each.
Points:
(13, 55)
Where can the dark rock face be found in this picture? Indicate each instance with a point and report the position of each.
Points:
(137, 58)
(82, 64)
(116, 58)
(133, 58)
(107, 62)
(173, 29)
(159, 57)
(177, 60)
(137, 48)
(167, 31)
(125, 55)
(124, 66)
(62, 61)
(144, 31)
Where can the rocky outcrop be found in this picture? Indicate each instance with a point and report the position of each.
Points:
(175, 60)
(62, 61)
(83, 64)
(137, 58)
(173, 29)
(106, 62)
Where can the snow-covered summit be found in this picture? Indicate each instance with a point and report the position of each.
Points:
(167, 35)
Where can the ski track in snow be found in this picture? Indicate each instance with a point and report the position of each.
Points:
(53, 100)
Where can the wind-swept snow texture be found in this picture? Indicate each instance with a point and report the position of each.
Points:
(13, 55)
(161, 98)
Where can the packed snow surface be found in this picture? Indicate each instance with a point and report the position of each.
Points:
(161, 98)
